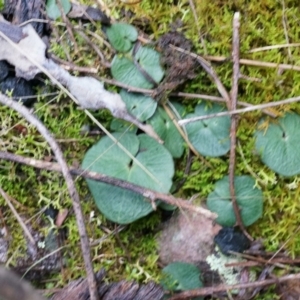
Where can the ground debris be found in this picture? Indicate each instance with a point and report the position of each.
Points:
(19, 11)
(187, 237)
(180, 67)
(123, 290)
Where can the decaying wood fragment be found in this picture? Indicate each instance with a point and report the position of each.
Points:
(123, 290)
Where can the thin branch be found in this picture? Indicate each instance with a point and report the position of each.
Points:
(218, 99)
(222, 91)
(255, 63)
(241, 110)
(260, 260)
(175, 94)
(19, 219)
(72, 67)
(70, 184)
(180, 130)
(280, 46)
(129, 88)
(171, 111)
(224, 288)
(150, 194)
(234, 121)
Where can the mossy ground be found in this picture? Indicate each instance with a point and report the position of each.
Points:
(132, 253)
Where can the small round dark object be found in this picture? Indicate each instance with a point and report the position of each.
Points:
(231, 239)
(4, 70)
(51, 212)
(20, 87)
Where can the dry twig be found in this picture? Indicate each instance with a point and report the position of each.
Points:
(14, 211)
(180, 130)
(224, 288)
(234, 121)
(150, 194)
(255, 63)
(280, 46)
(241, 110)
(179, 94)
(72, 67)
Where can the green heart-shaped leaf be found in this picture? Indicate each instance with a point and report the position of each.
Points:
(279, 145)
(210, 137)
(181, 276)
(139, 105)
(125, 70)
(249, 200)
(121, 36)
(117, 204)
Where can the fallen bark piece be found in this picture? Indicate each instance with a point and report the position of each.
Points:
(123, 290)
(28, 57)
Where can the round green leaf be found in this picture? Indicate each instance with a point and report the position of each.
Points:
(124, 70)
(139, 105)
(181, 276)
(279, 145)
(53, 11)
(167, 131)
(121, 36)
(210, 137)
(117, 204)
(249, 200)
